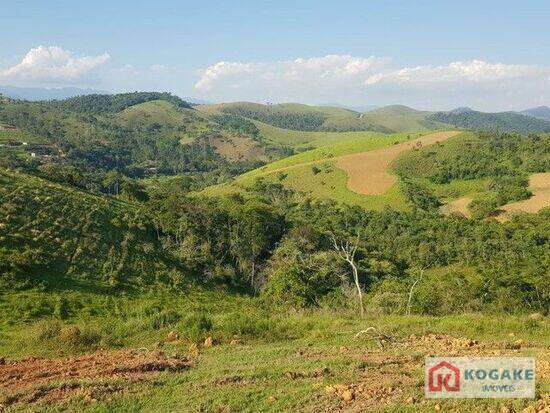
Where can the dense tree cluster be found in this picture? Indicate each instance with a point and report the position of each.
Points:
(115, 103)
(305, 121)
(505, 160)
(95, 141)
(499, 122)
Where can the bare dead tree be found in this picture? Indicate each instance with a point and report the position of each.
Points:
(411, 291)
(346, 251)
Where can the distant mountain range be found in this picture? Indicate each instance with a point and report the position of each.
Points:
(501, 121)
(40, 93)
(540, 112)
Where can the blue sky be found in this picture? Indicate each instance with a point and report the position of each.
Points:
(493, 55)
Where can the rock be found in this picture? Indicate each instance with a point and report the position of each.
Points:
(235, 342)
(437, 407)
(330, 390)
(410, 400)
(193, 349)
(505, 409)
(271, 399)
(172, 336)
(208, 341)
(348, 395)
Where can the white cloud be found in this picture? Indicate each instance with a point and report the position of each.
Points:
(224, 70)
(373, 80)
(312, 72)
(471, 71)
(52, 64)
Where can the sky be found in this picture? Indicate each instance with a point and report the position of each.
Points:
(430, 54)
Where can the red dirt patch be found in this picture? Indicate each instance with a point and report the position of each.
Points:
(34, 379)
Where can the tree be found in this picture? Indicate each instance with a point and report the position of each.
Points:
(346, 251)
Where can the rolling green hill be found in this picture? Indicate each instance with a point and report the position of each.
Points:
(331, 119)
(131, 133)
(313, 173)
(61, 238)
(400, 118)
(503, 121)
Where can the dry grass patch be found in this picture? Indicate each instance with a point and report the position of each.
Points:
(539, 185)
(368, 171)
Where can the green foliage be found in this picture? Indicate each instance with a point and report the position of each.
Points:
(501, 122)
(115, 103)
(54, 236)
(420, 196)
(298, 120)
(502, 159)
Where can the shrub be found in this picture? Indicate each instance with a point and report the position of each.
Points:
(164, 319)
(47, 329)
(196, 326)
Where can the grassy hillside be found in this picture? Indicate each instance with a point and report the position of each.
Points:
(325, 118)
(503, 122)
(402, 119)
(61, 238)
(489, 170)
(132, 133)
(313, 173)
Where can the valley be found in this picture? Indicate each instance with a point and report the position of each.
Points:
(171, 256)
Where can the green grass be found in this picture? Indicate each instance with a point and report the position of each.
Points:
(390, 119)
(297, 172)
(301, 140)
(367, 142)
(272, 344)
(402, 119)
(17, 135)
(72, 239)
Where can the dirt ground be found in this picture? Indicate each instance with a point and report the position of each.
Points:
(539, 185)
(390, 376)
(93, 375)
(459, 206)
(238, 148)
(368, 171)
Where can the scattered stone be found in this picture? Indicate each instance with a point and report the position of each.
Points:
(437, 407)
(330, 390)
(193, 349)
(235, 342)
(410, 400)
(348, 395)
(208, 341)
(271, 399)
